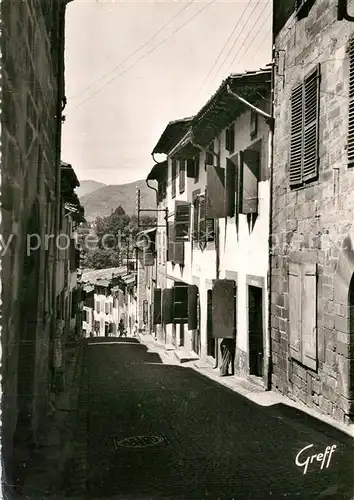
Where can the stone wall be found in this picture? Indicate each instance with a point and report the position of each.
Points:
(32, 57)
(314, 222)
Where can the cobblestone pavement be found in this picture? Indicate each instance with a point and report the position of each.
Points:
(162, 431)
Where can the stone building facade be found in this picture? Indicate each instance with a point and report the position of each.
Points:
(312, 285)
(33, 97)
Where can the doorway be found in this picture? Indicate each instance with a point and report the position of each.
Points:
(255, 330)
(210, 338)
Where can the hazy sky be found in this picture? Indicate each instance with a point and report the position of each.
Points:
(126, 77)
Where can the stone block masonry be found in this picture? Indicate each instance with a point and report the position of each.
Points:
(316, 219)
(32, 93)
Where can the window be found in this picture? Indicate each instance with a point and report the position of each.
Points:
(157, 307)
(303, 313)
(203, 226)
(254, 125)
(174, 177)
(350, 145)
(167, 306)
(209, 154)
(97, 307)
(182, 221)
(106, 308)
(249, 178)
(230, 185)
(110, 308)
(304, 130)
(230, 139)
(182, 176)
(216, 192)
(180, 303)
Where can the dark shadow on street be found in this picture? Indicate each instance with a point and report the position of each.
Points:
(207, 442)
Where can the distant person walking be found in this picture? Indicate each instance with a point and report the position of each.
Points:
(121, 328)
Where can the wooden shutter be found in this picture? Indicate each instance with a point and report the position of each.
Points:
(191, 167)
(215, 192)
(311, 111)
(195, 202)
(309, 316)
(209, 313)
(182, 221)
(230, 188)
(178, 253)
(249, 181)
(296, 141)
(230, 139)
(295, 289)
(156, 307)
(167, 306)
(180, 303)
(171, 243)
(202, 218)
(192, 307)
(350, 145)
(209, 230)
(224, 309)
(174, 176)
(182, 176)
(149, 258)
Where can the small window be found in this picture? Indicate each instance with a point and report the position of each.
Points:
(230, 139)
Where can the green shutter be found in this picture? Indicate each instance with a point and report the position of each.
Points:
(215, 192)
(296, 141)
(224, 309)
(192, 307)
(250, 170)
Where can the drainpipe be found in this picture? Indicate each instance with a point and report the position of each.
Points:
(268, 370)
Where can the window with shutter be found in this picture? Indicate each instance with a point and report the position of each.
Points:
(201, 219)
(350, 145)
(303, 313)
(250, 170)
(179, 253)
(224, 309)
(149, 257)
(230, 139)
(215, 192)
(196, 168)
(304, 130)
(157, 307)
(171, 242)
(195, 203)
(192, 307)
(174, 178)
(230, 185)
(190, 167)
(209, 154)
(180, 303)
(167, 306)
(182, 221)
(106, 308)
(182, 176)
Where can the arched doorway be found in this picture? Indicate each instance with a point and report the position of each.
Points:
(28, 316)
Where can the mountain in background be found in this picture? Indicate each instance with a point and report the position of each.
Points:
(88, 186)
(102, 201)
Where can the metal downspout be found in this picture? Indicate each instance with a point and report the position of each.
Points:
(268, 381)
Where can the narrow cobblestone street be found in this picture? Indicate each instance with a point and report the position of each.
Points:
(191, 437)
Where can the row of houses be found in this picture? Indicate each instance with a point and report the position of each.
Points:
(255, 202)
(110, 295)
(40, 211)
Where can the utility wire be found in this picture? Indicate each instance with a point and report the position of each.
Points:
(258, 18)
(145, 55)
(237, 38)
(222, 50)
(136, 51)
(259, 46)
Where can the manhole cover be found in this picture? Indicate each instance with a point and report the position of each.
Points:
(139, 441)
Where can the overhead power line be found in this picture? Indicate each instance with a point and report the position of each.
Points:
(223, 48)
(135, 51)
(258, 18)
(146, 54)
(237, 38)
